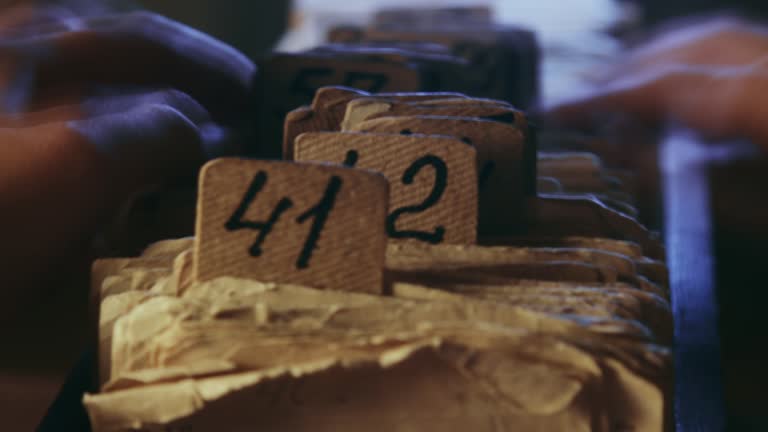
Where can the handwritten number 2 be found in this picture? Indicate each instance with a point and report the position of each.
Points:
(319, 212)
(441, 178)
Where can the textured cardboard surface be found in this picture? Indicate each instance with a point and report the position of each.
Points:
(433, 180)
(499, 147)
(290, 80)
(328, 107)
(346, 251)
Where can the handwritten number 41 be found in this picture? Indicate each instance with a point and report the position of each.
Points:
(322, 209)
(319, 213)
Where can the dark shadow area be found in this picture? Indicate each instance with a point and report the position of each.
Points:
(741, 235)
(251, 26)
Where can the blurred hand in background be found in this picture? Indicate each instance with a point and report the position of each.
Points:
(95, 108)
(92, 111)
(709, 75)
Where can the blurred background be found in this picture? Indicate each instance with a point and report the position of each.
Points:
(576, 38)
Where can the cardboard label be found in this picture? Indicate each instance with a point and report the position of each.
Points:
(362, 109)
(433, 180)
(328, 107)
(290, 81)
(308, 224)
(499, 149)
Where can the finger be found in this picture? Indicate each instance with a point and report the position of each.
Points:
(217, 140)
(18, 23)
(184, 41)
(699, 97)
(139, 49)
(60, 182)
(750, 112)
(33, 20)
(722, 42)
(146, 146)
(110, 101)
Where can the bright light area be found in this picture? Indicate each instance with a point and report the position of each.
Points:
(569, 31)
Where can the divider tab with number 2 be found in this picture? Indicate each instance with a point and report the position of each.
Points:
(433, 180)
(309, 224)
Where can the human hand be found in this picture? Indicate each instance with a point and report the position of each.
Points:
(92, 111)
(708, 76)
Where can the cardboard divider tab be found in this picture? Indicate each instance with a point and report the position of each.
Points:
(328, 107)
(433, 180)
(309, 224)
(499, 147)
(290, 80)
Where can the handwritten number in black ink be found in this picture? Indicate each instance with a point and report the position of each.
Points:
(320, 213)
(377, 81)
(236, 221)
(441, 180)
(351, 159)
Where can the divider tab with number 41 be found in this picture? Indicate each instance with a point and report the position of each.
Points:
(299, 223)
